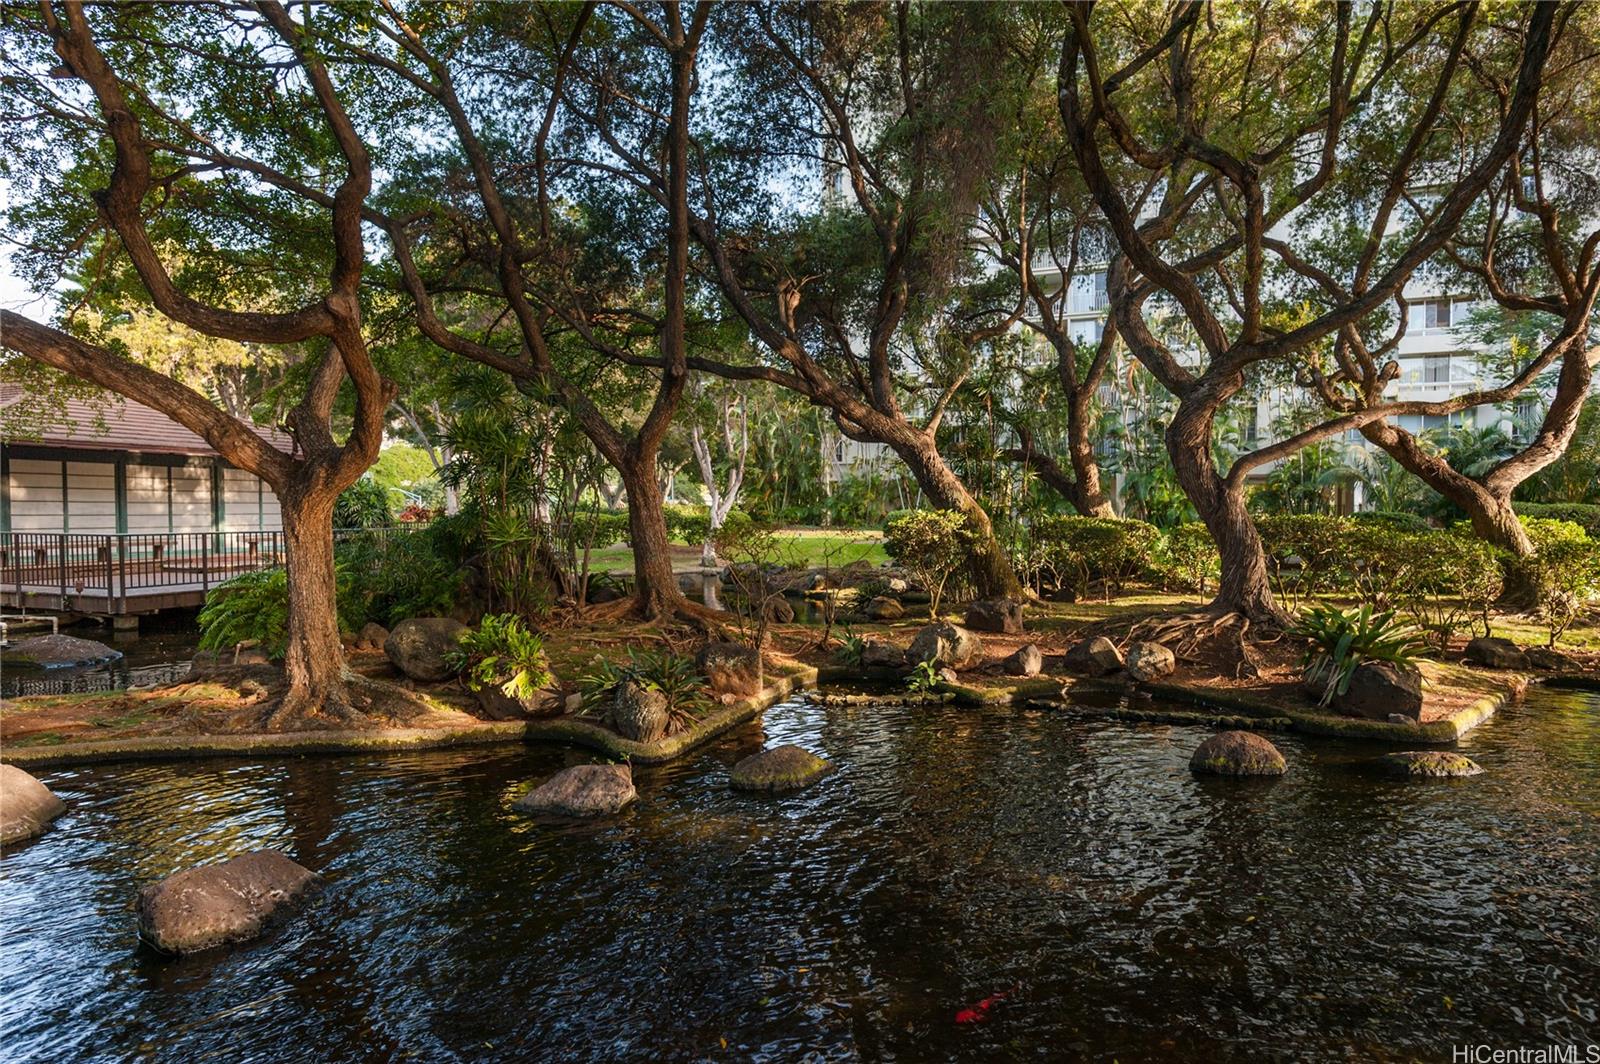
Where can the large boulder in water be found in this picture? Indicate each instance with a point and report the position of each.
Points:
(1428, 764)
(1096, 656)
(1380, 691)
(1150, 661)
(637, 713)
(26, 806)
(214, 905)
(1000, 615)
(783, 768)
(730, 668)
(1495, 653)
(419, 646)
(1237, 753)
(945, 644)
(59, 652)
(581, 791)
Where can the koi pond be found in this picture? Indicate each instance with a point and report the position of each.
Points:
(973, 884)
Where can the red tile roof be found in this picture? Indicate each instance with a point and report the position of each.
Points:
(123, 425)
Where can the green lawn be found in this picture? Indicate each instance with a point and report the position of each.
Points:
(807, 548)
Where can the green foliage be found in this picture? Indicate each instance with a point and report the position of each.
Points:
(1584, 515)
(601, 528)
(1190, 557)
(254, 607)
(925, 677)
(692, 524)
(503, 652)
(1394, 520)
(1447, 581)
(404, 470)
(251, 606)
(399, 574)
(1308, 554)
(851, 651)
(1563, 574)
(1343, 639)
(1083, 551)
(363, 504)
(673, 675)
(932, 544)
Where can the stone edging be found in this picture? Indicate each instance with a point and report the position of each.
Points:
(1270, 715)
(349, 741)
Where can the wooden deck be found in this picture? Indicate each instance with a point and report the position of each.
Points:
(111, 575)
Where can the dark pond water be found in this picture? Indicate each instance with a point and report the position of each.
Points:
(1125, 909)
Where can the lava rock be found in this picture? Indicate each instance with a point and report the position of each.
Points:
(946, 644)
(1097, 656)
(999, 615)
(781, 769)
(884, 608)
(59, 652)
(573, 703)
(418, 647)
(1495, 653)
(730, 668)
(1428, 764)
(1237, 753)
(1027, 661)
(215, 905)
(372, 636)
(26, 806)
(897, 585)
(1550, 659)
(581, 791)
(876, 655)
(599, 593)
(779, 611)
(1150, 661)
(1379, 691)
(638, 714)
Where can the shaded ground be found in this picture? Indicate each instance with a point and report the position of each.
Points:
(233, 700)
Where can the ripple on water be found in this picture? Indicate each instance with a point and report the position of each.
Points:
(1122, 906)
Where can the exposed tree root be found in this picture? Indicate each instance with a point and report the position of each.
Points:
(1187, 634)
(299, 707)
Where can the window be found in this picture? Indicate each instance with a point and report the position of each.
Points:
(1089, 293)
(1087, 330)
(1437, 315)
(1436, 369)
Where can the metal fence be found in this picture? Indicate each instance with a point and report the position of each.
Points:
(118, 566)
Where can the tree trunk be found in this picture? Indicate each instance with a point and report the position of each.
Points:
(991, 571)
(1088, 498)
(1490, 512)
(313, 663)
(656, 590)
(1244, 588)
(708, 579)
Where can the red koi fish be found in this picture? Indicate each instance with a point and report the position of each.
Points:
(980, 1012)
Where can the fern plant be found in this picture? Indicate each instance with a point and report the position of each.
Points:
(250, 607)
(1343, 639)
(502, 652)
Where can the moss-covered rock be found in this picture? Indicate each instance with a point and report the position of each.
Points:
(1237, 753)
(781, 769)
(581, 791)
(1428, 764)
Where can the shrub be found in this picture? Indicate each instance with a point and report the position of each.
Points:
(932, 544)
(602, 528)
(1083, 551)
(1190, 558)
(503, 652)
(1584, 515)
(1394, 520)
(363, 504)
(1308, 554)
(1564, 574)
(1447, 580)
(1343, 639)
(391, 577)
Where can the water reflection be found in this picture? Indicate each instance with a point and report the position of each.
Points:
(1122, 907)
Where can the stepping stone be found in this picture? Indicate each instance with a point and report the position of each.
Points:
(581, 791)
(216, 905)
(26, 806)
(1237, 753)
(1428, 764)
(779, 770)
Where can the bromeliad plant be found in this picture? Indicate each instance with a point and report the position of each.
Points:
(1343, 639)
(673, 675)
(501, 652)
